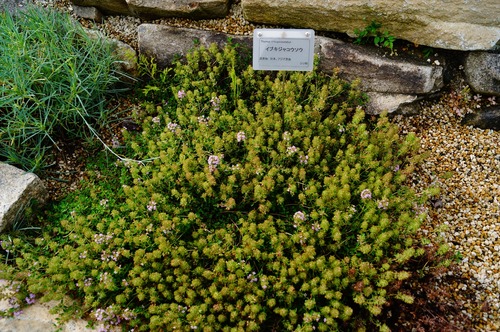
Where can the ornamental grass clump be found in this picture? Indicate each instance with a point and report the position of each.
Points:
(54, 79)
(271, 203)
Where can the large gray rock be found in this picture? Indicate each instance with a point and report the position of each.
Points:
(488, 118)
(107, 6)
(389, 102)
(452, 24)
(482, 70)
(11, 6)
(199, 9)
(124, 53)
(89, 13)
(17, 190)
(378, 73)
(166, 43)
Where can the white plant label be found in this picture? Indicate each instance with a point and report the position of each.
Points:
(283, 49)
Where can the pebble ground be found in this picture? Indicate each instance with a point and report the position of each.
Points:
(463, 161)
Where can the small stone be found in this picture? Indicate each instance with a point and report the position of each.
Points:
(18, 189)
(487, 118)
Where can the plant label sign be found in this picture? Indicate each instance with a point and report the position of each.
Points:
(283, 49)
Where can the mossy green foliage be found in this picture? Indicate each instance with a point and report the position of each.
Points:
(53, 82)
(373, 31)
(271, 203)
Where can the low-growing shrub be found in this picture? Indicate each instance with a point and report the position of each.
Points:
(53, 82)
(271, 204)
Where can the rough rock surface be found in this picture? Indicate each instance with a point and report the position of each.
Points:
(180, 8)
(11, 5)
(89, 13)
(453, 24)
(199, 9)
(488, 118)
(390, 102)
(17, 189)
(166, 43)
(107, 6)
(378, 73)
(482, 70)
(124, 53)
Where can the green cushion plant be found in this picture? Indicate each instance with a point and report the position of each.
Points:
(270, 203)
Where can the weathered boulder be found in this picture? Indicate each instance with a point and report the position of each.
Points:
(487, 118)
(390, 102)
(378, 73)
(107, 6)
(89, 13)
(11, 5)
(124, 53)
(17, 190)
(166, 43)
(199, 9)
(482, 71)
(452, 24)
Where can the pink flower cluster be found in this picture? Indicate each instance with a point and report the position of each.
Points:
(151, 206)
(213, 162)
(240, 136)
(366, 194)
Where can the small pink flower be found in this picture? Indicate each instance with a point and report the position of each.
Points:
(240, 136)
(366, 194)
(203, 119)
(172, 126)
(151, 206)
(299, 215)
(292, 149)
(304, 159)
(383, 204)
(30, 299)
(215, 103)
(213, 162)
(181, 94)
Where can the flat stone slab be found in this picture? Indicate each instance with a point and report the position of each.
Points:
(487, 118)
(17, 189)
(452, 24)
(378, 73)
(166, 43)
(199, 9)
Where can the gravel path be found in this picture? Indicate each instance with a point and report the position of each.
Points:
(463, 161)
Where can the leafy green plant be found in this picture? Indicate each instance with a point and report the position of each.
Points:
(270, 203)
(53, 78)
(427, 52)
(372, 32)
